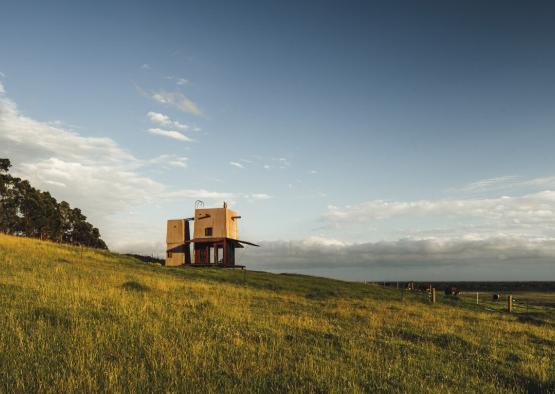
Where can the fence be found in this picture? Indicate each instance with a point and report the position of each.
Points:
(527, 304)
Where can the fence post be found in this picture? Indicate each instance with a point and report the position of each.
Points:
(510, 303)
(433, 295)
(477, 298)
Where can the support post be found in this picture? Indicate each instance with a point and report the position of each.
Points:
(187, 245)
(477, 298)
(433, 295)
(510, 303)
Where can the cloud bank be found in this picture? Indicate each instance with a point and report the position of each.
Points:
(529, 215)
(502, 258)
(532, 208)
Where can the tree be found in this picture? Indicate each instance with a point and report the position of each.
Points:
(27, 211)
(5, 164)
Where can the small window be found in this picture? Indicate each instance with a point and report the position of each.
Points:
(169, 255)
(208, 231)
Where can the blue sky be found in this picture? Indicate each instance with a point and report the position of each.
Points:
(357, 140)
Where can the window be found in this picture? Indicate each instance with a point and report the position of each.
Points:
(169, 255)
(208, 231)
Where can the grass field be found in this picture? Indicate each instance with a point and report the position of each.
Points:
(85, 320)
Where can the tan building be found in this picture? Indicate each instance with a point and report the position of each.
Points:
(176, 235)
(214, 242)
(216, 223)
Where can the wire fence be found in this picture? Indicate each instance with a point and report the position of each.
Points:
(527, 304)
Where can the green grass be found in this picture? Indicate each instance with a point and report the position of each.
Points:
(86, 321)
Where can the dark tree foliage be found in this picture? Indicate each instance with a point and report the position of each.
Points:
(26, 211)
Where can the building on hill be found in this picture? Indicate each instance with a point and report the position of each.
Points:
(214, 241)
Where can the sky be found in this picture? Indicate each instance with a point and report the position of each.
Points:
(365, 140)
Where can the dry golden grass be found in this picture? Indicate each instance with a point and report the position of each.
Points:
(87, 321)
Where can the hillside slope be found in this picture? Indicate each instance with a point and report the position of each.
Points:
(76, 319)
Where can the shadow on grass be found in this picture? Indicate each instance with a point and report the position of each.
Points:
(52, 317)
(532, 318)
(453, 342)
(9, 289)
(320, 294)
(135, 286)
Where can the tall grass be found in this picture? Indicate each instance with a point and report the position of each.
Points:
(83, 320)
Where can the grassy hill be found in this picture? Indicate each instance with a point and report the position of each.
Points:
(76, 319)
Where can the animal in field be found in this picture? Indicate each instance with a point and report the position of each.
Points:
(453, 291)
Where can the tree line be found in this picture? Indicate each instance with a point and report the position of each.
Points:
(26, 211)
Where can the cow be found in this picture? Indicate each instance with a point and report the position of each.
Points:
(452, 291)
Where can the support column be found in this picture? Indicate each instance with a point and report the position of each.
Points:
(187, 245)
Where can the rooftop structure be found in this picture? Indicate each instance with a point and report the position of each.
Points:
(214, 242)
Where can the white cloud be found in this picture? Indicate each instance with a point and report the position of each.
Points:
(259, 196)
(164, 120)
(55, 183)
(235, 164)
(22, 136)
(241, 163)
(177, 100)
(156, 117)
(489, 184)
(181, 162)
(101, 188)
(507, 184)
(313, 172)
(182, 81)
(212, 195)
(262, 162)
(530, 216)
(531, 208)
(282, 162)
(176, 135)
(318, 241)
(170, 160)
(197, 194)
(145, 66)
